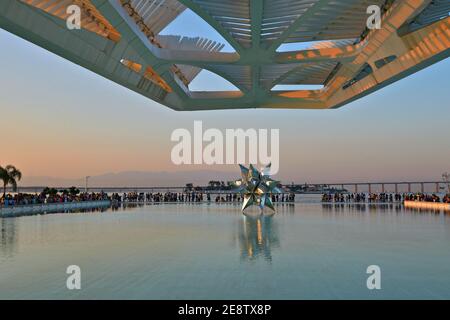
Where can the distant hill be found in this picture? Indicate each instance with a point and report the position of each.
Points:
(135, 179)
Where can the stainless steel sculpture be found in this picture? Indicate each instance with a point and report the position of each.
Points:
(256, 187)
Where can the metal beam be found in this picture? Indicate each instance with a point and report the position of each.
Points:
(295, 25)
(202, 59)
(256, 13)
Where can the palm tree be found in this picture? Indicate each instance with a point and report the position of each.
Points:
(9, 175)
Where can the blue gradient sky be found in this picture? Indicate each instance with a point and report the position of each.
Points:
(61, 120)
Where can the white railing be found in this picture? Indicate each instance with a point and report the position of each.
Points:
(50, 207)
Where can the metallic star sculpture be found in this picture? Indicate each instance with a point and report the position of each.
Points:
(256, 187)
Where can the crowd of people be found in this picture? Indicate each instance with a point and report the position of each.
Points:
(427, 198)
(43, 197)
(362, 197)
(382, 197)
(446, 198)
(183, 197)
(63, 196)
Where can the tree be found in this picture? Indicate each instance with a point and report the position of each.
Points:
(52, 192)
(9, 175)
(45, 191)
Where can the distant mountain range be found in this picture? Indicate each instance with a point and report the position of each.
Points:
(135, 179)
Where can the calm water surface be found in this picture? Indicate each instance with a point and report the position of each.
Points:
(182, 251)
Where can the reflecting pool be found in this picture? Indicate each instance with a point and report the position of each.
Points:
(212, 251)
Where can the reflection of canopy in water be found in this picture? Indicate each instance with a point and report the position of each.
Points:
(122, 41)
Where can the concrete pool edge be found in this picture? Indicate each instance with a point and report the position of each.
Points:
(15, 211)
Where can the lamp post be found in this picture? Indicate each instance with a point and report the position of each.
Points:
(446, 178)
(86, 184)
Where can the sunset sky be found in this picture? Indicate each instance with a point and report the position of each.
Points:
(60, 120)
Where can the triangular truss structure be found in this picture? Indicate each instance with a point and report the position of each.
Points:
(121, 40)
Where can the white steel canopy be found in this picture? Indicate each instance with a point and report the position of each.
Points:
(121, 40)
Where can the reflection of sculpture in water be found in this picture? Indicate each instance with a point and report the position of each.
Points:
(257, 237)
(8, 237)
